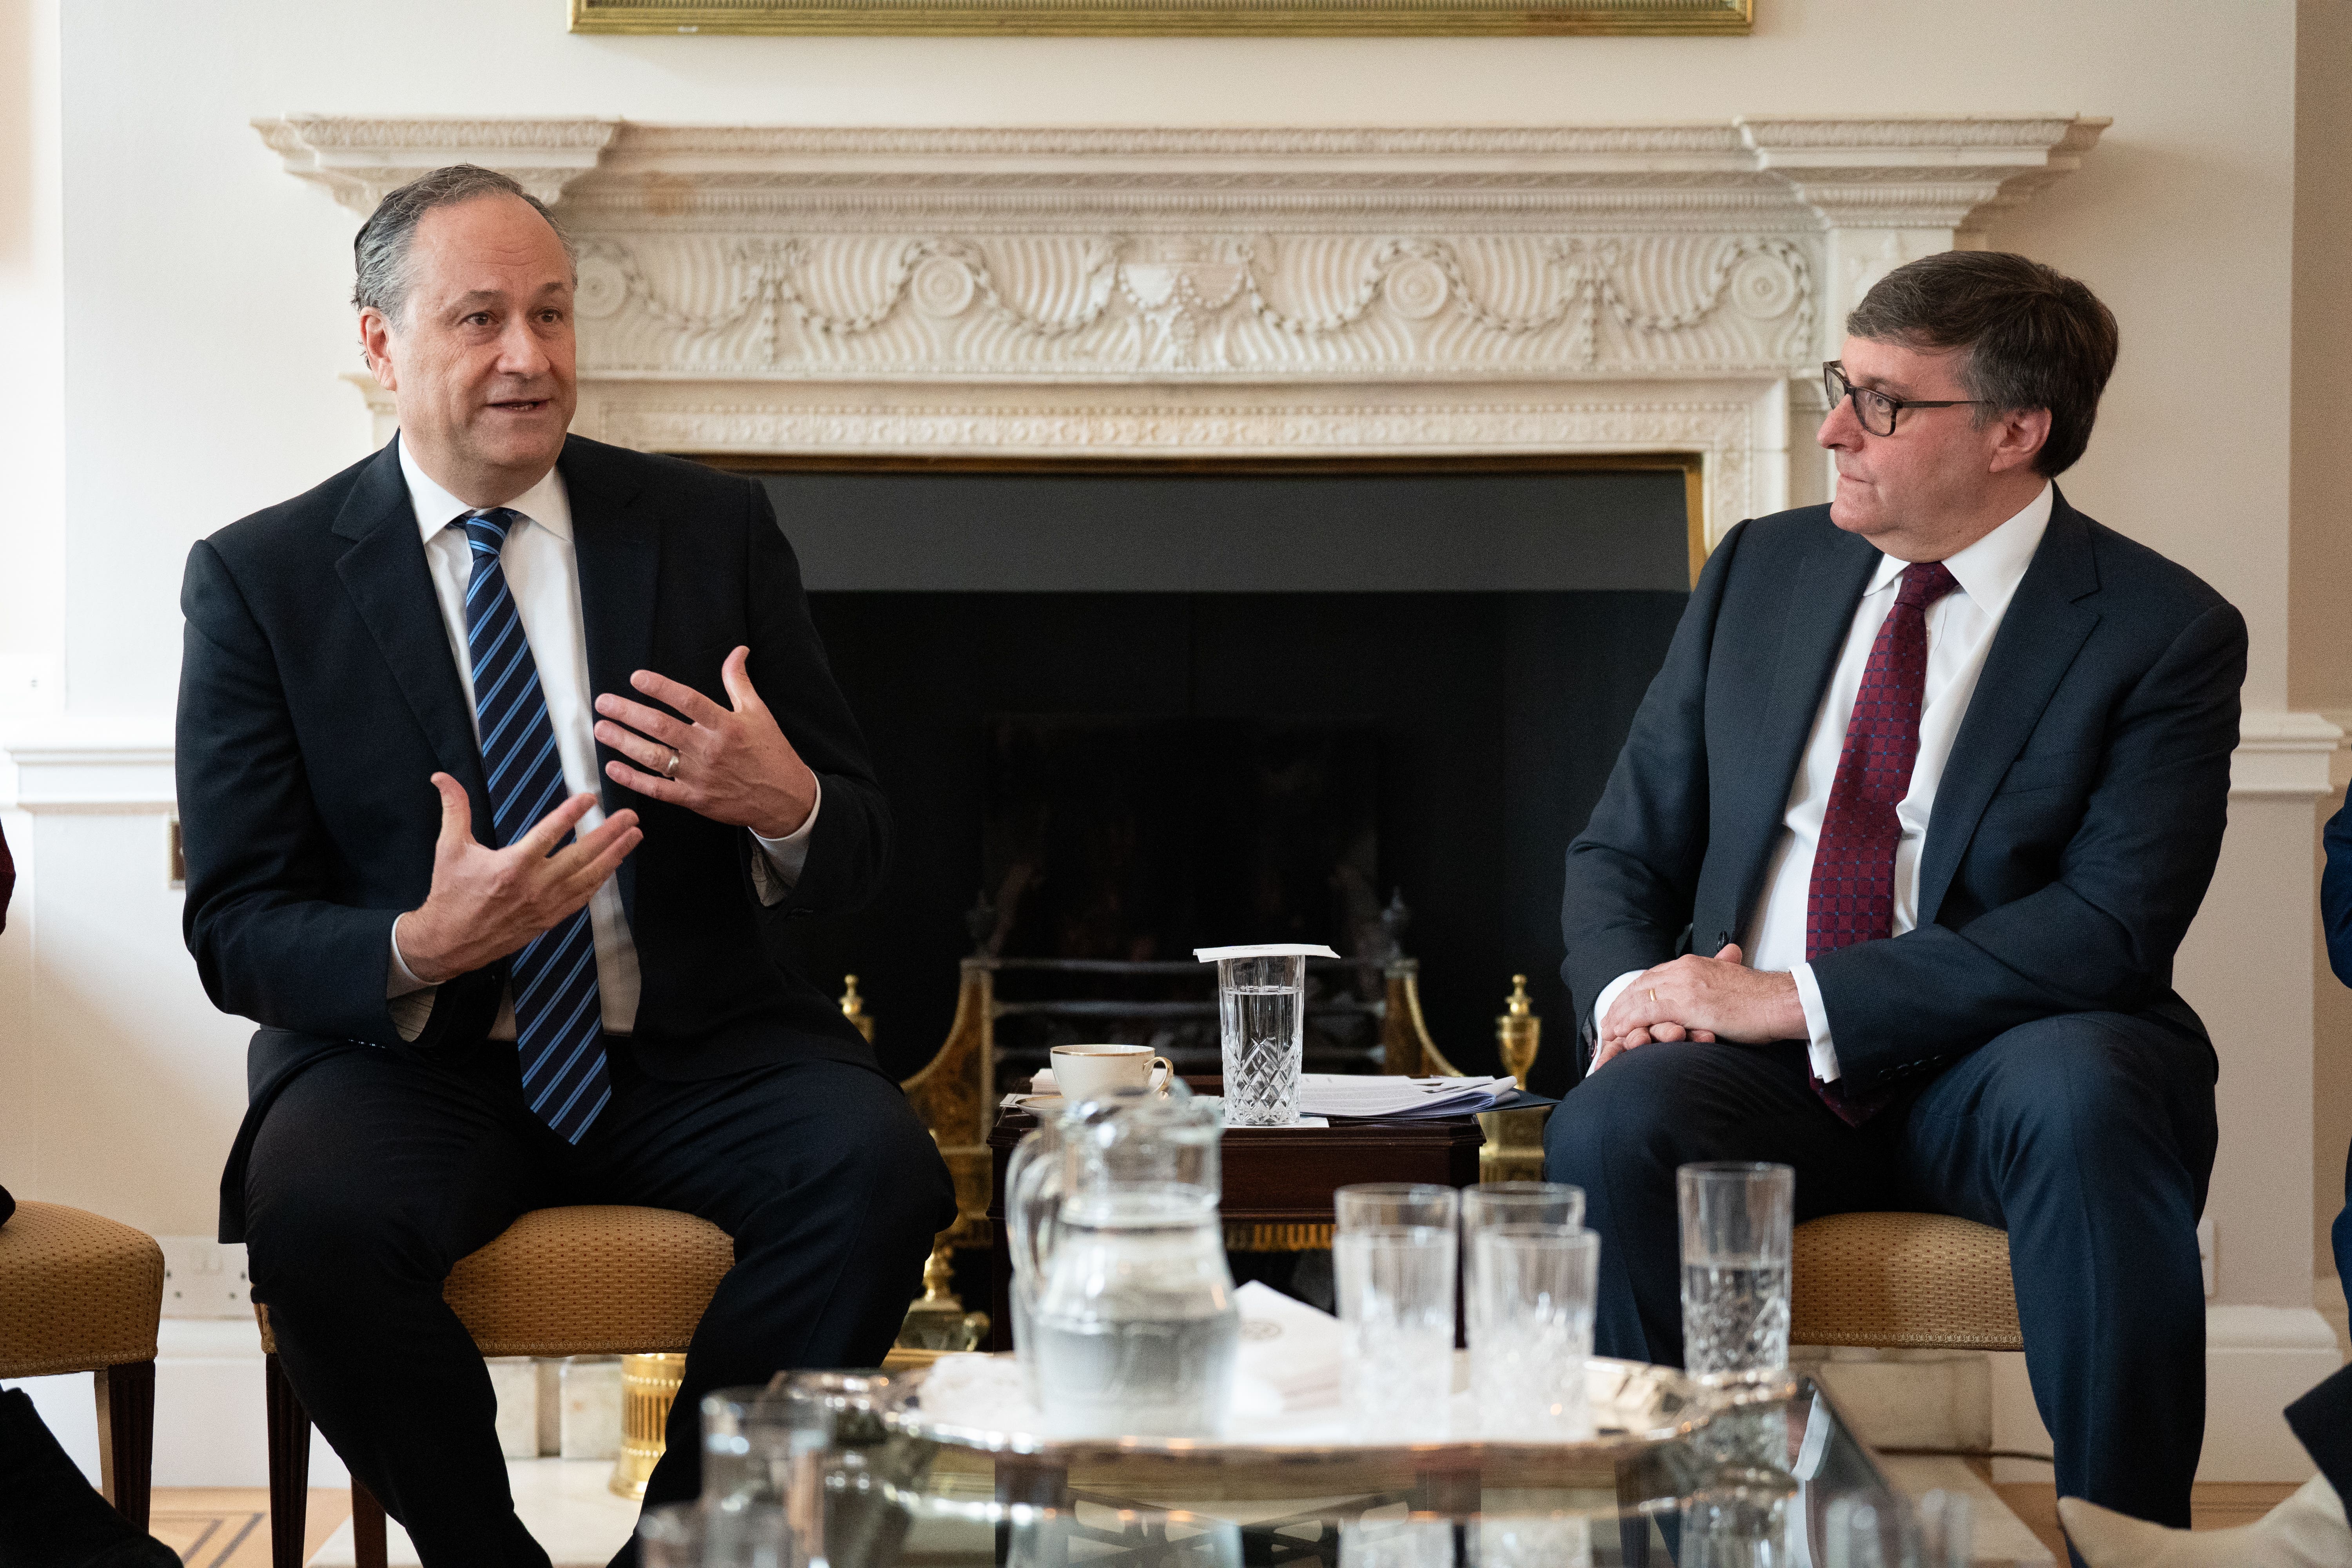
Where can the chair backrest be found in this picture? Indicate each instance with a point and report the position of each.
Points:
(1903, 1281)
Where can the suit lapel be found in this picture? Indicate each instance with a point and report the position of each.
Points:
(1829, 584)
(386, 576)
(618, 548)
(2040, 634)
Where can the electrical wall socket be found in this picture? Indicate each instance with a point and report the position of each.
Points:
(205, 1279)
(2205, 1254)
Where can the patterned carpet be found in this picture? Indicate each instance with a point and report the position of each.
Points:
(228, 1527)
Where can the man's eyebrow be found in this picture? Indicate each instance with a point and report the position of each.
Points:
(474, 297)
(1880, 384)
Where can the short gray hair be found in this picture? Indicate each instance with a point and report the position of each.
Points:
(380, 251)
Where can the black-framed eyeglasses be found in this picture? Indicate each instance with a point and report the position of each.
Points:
(1876, 409)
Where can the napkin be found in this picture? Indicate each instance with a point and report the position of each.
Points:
(1288, 1349)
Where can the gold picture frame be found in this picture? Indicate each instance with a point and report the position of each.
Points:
(1227, 17)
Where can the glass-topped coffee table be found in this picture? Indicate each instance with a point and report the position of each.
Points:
(1761, 1484)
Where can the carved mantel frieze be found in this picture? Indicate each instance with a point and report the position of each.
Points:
(1664, 285)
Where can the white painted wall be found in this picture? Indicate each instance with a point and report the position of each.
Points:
(172, 327)
(32, 357)
(2187, 201)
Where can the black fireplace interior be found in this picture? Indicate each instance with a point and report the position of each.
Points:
(1145, 711)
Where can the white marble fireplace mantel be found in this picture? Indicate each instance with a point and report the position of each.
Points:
(1225, 292)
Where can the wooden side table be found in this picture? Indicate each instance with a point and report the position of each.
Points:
(1278, 1181)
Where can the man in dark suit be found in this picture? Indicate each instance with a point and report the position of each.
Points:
(505, 759)
(1887, 882)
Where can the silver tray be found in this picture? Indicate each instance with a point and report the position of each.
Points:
(1635, 1405)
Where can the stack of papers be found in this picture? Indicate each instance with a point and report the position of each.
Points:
(1391, 1098)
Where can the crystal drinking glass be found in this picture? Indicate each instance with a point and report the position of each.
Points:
(1507, 1203)
(1396, 1315)
(1262, 1025)
(1735, 1247)
(1389, 1205)
(1535, 1303)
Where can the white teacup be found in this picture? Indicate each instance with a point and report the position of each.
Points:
(1090, 1072)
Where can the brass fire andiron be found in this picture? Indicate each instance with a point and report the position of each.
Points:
(1514, 1151)
(937, 1322)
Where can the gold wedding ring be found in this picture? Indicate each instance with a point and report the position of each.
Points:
(1653, 996)
(671, 771)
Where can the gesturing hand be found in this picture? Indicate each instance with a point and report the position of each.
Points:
(486, 903)
(1704, 1000)
(731, 767)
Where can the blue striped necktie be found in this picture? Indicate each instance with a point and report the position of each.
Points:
(559, 1017)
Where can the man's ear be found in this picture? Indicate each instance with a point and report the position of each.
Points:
(375, 342)
(2018, 438)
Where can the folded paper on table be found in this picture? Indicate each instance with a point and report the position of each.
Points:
(1390, 1099)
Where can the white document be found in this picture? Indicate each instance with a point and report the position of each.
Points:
(1354, 1095)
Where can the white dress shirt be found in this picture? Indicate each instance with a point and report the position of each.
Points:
(1961, 629)
(543, 574)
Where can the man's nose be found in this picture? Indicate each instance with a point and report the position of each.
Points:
(1840, 427)
(519, 351)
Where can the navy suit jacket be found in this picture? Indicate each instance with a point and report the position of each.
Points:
(318, 694)
(2074, 830)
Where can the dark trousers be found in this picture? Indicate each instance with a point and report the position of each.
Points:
(374, 1172)
(2088, 1137)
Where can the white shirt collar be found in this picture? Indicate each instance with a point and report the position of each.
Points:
(1989, 570)
(546, 503)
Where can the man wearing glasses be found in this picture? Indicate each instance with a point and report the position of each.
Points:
(1887, 881)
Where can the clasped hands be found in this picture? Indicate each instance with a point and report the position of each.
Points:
(733, 765)
(1704, 1000)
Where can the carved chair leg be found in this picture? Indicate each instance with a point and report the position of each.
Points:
(126, 1436)
(367, 1527)
(289, 1466)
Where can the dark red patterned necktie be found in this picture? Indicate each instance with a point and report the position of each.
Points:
(1852, 896)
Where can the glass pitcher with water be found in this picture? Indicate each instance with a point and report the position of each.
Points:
(1123, 1310)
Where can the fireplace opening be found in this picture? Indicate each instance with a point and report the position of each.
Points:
(1134, 708)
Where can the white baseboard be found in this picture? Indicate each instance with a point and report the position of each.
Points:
(2258, 1361)
(210, 1424)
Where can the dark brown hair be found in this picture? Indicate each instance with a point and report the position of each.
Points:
(2034, 337)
